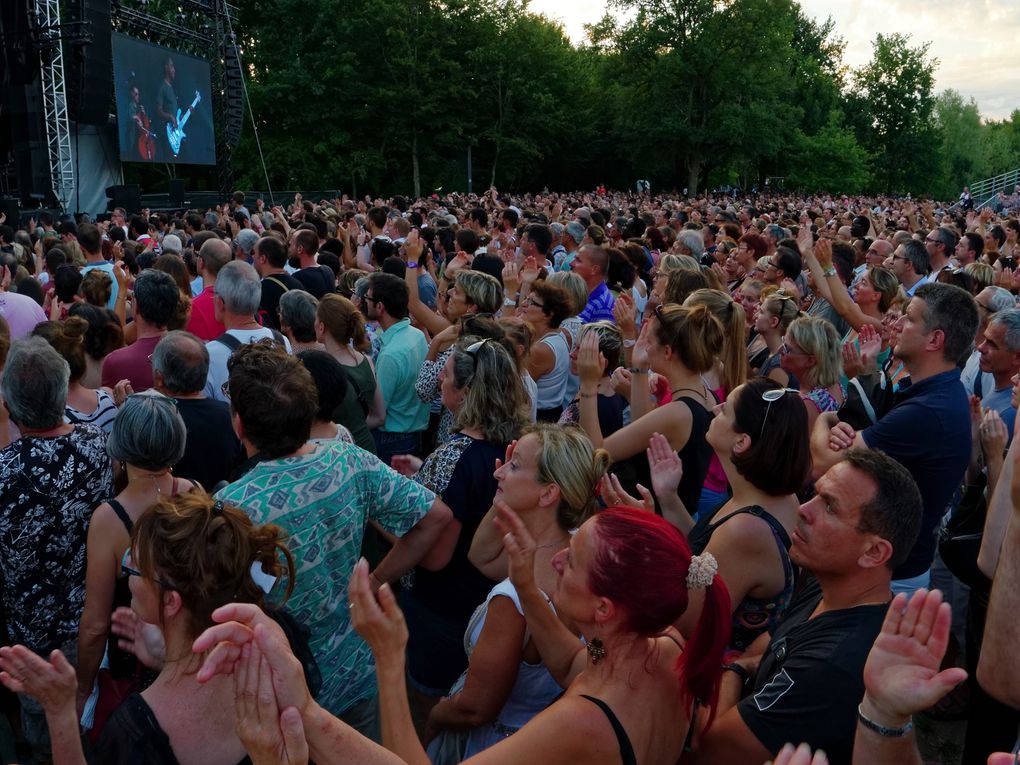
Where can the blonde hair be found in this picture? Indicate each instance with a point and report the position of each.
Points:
(982, 273)
(566, 458)
(575, 287)
(818, 338)
(886, 284)
(671, 262)
(480, 290)
(521, 335)
(777, 303)
(733, 320)
(496, 402)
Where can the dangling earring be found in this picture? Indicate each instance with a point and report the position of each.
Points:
(596, 650)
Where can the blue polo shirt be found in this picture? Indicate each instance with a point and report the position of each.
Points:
(600, 305)
(402, 352)
(928, 432)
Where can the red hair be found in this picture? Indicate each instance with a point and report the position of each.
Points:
(757, 243)
(640, 564)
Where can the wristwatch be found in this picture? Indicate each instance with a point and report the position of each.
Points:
(412, 264)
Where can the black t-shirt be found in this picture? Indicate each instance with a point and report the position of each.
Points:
(811, 678)
(460, 471)
(318, 280)
(273, 287)
(212, 449)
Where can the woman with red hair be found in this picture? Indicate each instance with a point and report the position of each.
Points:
(631, 685)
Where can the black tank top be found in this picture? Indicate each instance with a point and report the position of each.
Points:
(626, 750)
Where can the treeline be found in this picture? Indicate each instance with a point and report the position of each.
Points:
(386, 96)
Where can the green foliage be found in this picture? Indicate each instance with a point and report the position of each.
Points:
(387, 96)
(830, 160)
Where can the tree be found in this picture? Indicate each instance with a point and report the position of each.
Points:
(831, 160)
(961, 155)
(895, 94)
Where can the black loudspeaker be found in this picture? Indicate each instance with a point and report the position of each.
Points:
(177, 190)
(90, 64)
(233, 93)
(24, 121)
(9, 207)
(129, 197)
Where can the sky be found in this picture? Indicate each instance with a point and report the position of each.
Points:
(975, 41)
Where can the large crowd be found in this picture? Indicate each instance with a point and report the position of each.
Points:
(592, 477)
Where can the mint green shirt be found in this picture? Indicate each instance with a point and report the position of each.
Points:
(402, 352)
(323, 500)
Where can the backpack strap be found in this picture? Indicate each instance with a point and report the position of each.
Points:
(230, 341)
(274, 280)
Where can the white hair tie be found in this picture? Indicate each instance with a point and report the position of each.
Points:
(701, 571)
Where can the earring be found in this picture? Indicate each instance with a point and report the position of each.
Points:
(596, 650)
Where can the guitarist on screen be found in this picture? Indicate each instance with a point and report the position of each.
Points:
(166, 100)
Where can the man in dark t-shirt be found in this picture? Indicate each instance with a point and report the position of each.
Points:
(269, 256)
(180, 366)
(804, 681)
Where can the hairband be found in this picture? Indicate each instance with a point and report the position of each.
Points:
(702, 571)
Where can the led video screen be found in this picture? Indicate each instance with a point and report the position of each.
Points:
(164, 104)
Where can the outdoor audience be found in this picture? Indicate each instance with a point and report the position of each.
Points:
(636, 478)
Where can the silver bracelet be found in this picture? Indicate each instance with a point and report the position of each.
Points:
(881, 730)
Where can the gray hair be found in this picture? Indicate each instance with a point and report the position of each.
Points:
(297, 311)
(183, 360)
(693, 241)
(35, 383)
(1010, 320)
(999, 298)
(948, 238)
(148, 432)
(238, 286)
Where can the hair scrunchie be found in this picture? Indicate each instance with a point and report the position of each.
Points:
(701, 571)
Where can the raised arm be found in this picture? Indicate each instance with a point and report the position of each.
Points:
(560, 649)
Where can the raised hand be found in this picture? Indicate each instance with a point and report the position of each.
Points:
(269, 736)
(639, 356)
(823, 251)
(377, 617)
(508, 456)
(901, 675)
(869, 338)
(140, 638)
(511, 280)
(529, 271)
(591, 364)
(613, 494)
(993, 434)
(666, 467)
(853, 364)
(405, 464)
(51, 683)
(519, 545)
(625, 314)
(413, 246)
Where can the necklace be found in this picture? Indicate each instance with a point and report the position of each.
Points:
(152, 477)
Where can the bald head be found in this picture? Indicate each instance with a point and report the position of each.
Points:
(214, 255)
(182, 363)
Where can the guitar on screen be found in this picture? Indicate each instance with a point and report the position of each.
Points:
(176, 135)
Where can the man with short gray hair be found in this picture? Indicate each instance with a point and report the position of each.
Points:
(990, 301)
(180, 367)
(237, 295)
(1000, 357)
(50, 480)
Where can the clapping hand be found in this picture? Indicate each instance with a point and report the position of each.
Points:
(377, 618)
(625, 314)
(270, 737)
(519, 546)
(614, 495)
(140, 638)
(800, 755)
(51, 683)
(591, 364)
(413, 246)
(666, 467)
(993, 434)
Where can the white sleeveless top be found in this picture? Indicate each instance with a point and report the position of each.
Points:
(552, 386)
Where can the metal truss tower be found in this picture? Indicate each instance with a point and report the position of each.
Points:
(48, 37)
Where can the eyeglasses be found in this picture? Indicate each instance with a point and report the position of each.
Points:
(127, 570)
(773, 394)
(369, 299)
(529, 300)
(904, 258)
(785, 350)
